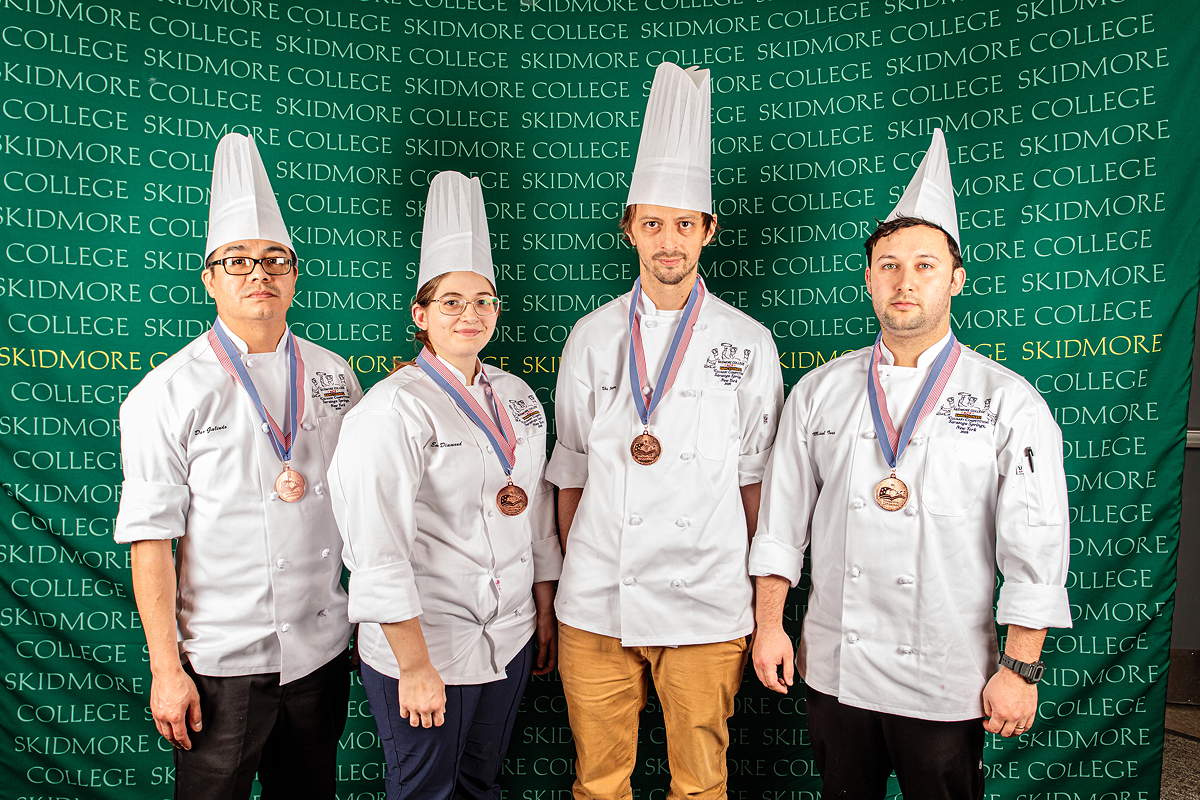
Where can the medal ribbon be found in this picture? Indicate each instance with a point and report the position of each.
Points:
(674, 358)
(282, 439)
(892, 442)
(502, 436)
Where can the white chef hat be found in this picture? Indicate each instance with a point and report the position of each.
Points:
(930, 193)
(674, 155)
(455, 235)
(242, 204)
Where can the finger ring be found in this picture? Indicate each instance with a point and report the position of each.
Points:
(1020, 727)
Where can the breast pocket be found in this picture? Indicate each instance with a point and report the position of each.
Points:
(717, 431)
(955, 475)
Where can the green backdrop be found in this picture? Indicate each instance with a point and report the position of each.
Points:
(1072, 127)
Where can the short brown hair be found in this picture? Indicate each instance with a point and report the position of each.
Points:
(885, 229)
(710, 222)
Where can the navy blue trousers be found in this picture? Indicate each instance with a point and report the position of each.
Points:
(460, 759)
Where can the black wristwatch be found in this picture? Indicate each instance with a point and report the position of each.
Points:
(1032, 673)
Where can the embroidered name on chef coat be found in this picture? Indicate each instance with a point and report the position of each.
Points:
(964, 412)
(728, 363)
(331, 390)
(527, 412)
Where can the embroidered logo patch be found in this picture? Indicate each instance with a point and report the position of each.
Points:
(727, 364)
(331, 390)
(527, 412)
(964, 412)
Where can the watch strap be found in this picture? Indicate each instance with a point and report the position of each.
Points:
(1031, 672)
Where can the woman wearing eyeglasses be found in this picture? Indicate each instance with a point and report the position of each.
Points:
(448, 525)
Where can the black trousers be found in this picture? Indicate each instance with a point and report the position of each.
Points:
(287, 734)
(856, 751)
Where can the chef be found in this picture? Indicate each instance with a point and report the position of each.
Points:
(448, 525)
(225, 447)
(666, 409)
(913, 469)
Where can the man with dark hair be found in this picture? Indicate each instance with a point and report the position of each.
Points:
(914, 469)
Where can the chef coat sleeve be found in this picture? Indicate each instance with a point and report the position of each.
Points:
(760, 397)
(154, 494)
(789, 496)
(1032, 531)
(574, 410)
(547, 552)
(373, 482)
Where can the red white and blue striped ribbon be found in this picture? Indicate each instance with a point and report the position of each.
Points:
(892, 442)
(496, 426)
(646, 402)
(282, 438)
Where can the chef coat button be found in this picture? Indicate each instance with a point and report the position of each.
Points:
(325, 553)
(852, 638)
(688, 392)
(904, 650)
(491, 514)
(266, 428)
(274, 495)
(308, 426)
(249, 362)
(855, 571)
(319, 489)
(281, 563)
(910, 510)
(629, 580)
(284, 628)
(918, 439)
(686, 455)
(675, 584)
(868, 434)
(904, 580)
(645, 390)
(682, 522)
(857, 503)
(524, 559)
(651, 323)
(489, 449)
(322, 612)
(634, 519)
(520, 440)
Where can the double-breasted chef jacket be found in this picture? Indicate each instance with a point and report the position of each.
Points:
(259, 579)
(900, 616)
(414, 488)
(657, 553)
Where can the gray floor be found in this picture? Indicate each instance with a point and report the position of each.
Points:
(1181, 754)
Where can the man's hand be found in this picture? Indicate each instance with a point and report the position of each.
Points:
(547, 628)
(175, 706)
(1009, 704)
(422, 696)
(773, 648)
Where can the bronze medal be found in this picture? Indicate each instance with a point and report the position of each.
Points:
(645, 449)
(891, 493)
(289, 485)
(511, 500)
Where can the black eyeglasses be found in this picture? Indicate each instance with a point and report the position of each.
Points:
(244, 265)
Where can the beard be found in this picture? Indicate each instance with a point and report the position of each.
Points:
(670, 276)
(912, 323)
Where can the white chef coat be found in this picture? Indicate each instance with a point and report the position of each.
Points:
(414, 486)
(900, 616)
(259, 580)
(657, 553)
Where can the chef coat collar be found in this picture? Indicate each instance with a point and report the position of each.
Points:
(480, 376)
(244, 348)
(927, 357)
(647, 308)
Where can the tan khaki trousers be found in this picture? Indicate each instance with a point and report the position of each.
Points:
(605, 687)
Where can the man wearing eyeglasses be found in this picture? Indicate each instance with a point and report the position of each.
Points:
(225, 447)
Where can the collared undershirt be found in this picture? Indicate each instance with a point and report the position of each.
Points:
(902, 384)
